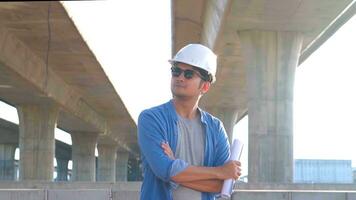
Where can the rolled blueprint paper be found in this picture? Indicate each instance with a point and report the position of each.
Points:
(236, 150)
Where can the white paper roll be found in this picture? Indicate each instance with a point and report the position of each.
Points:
(236, 150)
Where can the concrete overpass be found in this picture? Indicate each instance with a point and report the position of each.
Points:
(54, 80)
(259, 45)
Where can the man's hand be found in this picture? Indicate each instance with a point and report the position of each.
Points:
(167, 150)
(231, 169)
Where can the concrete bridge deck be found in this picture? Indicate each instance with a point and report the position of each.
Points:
(50, 75)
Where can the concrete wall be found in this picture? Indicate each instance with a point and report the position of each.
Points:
(30, 194)
(294, 192)
(296, 195)
(52, 194)
(102, 194)
(35, 190)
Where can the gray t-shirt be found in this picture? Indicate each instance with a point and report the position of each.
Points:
(190, 147)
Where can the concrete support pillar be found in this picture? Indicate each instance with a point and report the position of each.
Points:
(36, 141)
(271, 58)
(121, 166)
(62, 169)
(7, 161)
(83, 155)
(228, 116)
(134, 170)
(107, 162)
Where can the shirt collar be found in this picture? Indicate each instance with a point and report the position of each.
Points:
(174, 114)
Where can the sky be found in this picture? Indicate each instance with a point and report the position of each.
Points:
(325, 99)
(132, 42)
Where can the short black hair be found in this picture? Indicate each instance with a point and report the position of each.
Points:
(204, 74)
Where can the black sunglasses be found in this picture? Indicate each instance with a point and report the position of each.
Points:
(188, 73)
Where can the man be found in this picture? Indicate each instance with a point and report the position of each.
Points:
(184, 149)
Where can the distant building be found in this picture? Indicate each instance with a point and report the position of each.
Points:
(323, 171)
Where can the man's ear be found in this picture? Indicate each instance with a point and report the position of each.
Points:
(206, 86)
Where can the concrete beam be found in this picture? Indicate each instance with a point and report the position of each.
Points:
(334, 26)
(186, 15)
(30, 68)
(215, 16)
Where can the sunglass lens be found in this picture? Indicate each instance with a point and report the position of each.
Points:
(176, 71)
(188, 74)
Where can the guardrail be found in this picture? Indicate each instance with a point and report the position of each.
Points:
(35, 190)
(294, 192)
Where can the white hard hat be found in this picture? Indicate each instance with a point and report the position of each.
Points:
(199, 56)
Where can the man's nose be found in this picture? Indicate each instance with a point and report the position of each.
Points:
(181, 76)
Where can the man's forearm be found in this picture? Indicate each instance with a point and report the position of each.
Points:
(197, 173)
(213, 185)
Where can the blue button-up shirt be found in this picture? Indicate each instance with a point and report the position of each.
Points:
(159, 124)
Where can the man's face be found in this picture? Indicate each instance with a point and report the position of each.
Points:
(186, 82)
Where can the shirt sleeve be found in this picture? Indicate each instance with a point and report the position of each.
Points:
(222, 147)
(150, 137)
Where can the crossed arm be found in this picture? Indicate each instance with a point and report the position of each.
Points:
(205, 185)
(204, 179)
